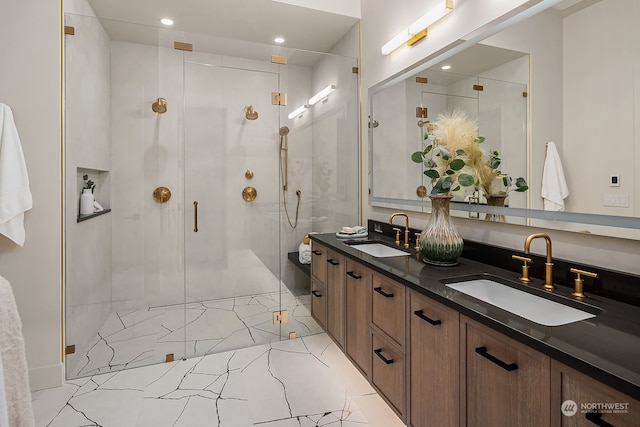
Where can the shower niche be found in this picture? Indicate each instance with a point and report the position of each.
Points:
(101, 191)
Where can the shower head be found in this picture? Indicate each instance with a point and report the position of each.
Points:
(250, 113)
(160, 106)
(284, 130)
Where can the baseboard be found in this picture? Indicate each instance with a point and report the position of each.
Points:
(46, 377)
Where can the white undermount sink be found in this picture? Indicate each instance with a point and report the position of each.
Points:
(378, 250)
(532, 307)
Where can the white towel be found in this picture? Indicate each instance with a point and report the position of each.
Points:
(554, 185)
(15, 195)
(14, 361)
(304, 253)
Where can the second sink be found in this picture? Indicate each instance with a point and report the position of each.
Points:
(524, 304)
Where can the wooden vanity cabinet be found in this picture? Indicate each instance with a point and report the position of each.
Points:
(503, 382)
(358, 316)
(319, 302)
(567, 384)
(434, 380)
(335, 296)
(436, 367)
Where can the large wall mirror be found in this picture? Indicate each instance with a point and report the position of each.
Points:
(569, 74)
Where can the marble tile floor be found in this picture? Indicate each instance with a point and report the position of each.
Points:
(143, 337)
(302, 382)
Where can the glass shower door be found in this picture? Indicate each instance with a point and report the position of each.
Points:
(232, 249)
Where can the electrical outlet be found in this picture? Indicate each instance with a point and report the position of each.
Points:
(619, 201)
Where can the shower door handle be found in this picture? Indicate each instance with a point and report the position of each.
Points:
(195, 216)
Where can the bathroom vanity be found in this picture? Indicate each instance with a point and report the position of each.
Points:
(440, 357)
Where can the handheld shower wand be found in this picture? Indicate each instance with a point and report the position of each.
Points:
(284, 174)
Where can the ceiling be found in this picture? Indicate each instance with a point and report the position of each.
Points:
(255, 21)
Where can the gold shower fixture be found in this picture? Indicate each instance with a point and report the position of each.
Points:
(250, 113)
(160, 106)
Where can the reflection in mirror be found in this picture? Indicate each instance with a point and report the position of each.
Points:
(583, 96)
(489, 84)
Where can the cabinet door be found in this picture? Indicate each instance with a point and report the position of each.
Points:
(507, 383)
(319, 262)
(388, 308)
(388, 373)
(335, 297)
(578, 400)
(434, 360)
(319, 303)
(358, 316)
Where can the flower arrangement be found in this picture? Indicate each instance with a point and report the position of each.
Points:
(88, 184)
(491, 172)
(450, 153)
(454, 158)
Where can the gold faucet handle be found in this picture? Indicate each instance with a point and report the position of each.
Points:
(578, 282)
(397, 230)
(417, 247)
(525, 267)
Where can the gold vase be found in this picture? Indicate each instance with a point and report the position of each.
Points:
(496, 200)
(440, 242)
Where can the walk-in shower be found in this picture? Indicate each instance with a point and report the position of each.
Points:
(182, 263)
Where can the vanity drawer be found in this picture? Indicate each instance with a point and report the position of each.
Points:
(388, 308)
(388, 373)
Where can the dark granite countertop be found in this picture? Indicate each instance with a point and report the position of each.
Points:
(606, 347)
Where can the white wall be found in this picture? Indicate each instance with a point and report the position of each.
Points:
(381, 20)
(30, 82)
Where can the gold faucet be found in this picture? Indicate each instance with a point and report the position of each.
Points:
(548, 283)
(406, 227)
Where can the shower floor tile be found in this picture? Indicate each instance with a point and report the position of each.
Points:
(303, 382)
(142, 337)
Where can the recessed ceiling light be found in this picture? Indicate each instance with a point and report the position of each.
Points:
(279, 40)
(166, 21)
(446, 67)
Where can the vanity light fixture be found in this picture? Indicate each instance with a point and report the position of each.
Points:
(322, 94)
(298, 111)
(166, 21)
(418, 29)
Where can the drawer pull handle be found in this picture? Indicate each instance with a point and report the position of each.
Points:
(383, 293)
(333, 262)
(354, 275)
(596, 418)
(316, 294)
(316, 252)
(482, 351)
(378, 353)
(420, 314)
